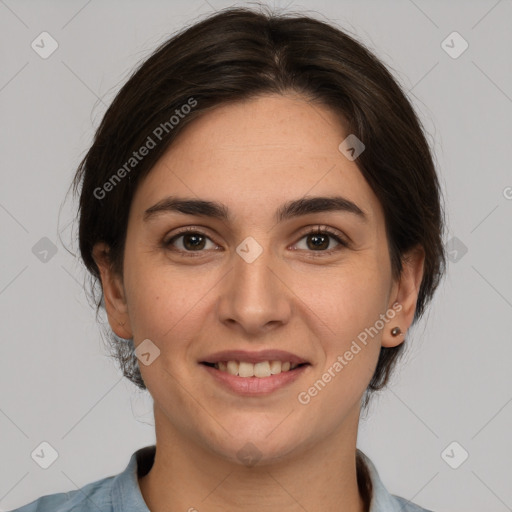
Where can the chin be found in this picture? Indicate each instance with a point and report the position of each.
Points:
(255, 445)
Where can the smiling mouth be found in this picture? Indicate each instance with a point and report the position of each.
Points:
(261, 370)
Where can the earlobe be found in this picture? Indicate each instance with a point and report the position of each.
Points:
(113, 292)
(405, 297)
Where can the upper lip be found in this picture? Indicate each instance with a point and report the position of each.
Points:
(253, 357)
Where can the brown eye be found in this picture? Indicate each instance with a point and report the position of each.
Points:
(193, 241)
(189, 240)
(319, 240)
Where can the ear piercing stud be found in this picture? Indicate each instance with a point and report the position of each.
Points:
(396, 331)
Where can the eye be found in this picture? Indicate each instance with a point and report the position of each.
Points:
(319, 240)
(192, 240)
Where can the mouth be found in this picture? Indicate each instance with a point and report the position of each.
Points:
(254, 374)
(262, 364)
(260, 369)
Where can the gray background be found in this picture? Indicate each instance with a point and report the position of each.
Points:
(58, 385)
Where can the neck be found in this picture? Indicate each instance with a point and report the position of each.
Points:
(187, 476)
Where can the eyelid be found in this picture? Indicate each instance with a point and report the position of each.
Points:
(323, 229)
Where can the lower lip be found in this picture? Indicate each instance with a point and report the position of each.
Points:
(255, 386)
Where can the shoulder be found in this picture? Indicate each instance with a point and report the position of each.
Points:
(93, 496)
(408, 506)
(381, 500)
(116, 493)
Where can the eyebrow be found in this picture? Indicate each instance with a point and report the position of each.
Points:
(289, 210)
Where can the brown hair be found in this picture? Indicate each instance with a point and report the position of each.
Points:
(237, 54)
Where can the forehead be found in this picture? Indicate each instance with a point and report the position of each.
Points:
(256, 155)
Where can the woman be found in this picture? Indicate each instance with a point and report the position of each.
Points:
(262, 210)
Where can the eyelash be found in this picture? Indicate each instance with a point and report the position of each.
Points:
(318, 230)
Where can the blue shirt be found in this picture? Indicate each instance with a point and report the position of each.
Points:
(121, 493)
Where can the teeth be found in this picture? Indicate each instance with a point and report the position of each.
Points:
(245, 369)
(260, 370)
(232, 367)
(275, 367)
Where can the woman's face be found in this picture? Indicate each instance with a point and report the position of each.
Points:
(254, 282)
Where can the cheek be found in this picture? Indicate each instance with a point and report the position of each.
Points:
(158, 294)
(351, 307)
(169, 306)
(343, 301)
(350, 304)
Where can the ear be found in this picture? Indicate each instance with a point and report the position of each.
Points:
(405, 293)
(113, 292)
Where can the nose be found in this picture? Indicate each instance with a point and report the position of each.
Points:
(254, 297)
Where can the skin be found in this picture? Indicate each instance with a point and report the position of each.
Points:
(253, 156)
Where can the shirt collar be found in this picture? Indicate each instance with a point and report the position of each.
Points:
(381, 500)
(126, 494)
(127, 497)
